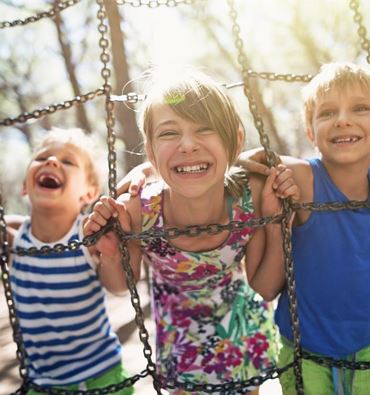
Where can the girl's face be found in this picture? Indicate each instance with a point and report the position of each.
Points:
(190, 157)
(56, 178)
(341, 126)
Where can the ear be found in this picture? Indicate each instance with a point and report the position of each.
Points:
(90, 195)
(311, 135)
(150, 155)
(24, 189)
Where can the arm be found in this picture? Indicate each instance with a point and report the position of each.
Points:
(135, 179)
(106, 250)
(265, 255)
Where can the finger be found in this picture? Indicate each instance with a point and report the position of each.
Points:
(255, 167)
(135, 186)
(105, 207)
(123, 216)
(270, 180)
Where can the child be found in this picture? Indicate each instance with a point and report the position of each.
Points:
(211, 327)
(59, 298)
(331, 250)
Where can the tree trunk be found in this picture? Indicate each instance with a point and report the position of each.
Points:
(82, 119)
(126, 118)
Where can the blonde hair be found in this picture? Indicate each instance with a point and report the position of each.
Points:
(194, 96)
(84, 143)
(332, 76)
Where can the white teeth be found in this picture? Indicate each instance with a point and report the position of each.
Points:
(342, 140)
(192, 169)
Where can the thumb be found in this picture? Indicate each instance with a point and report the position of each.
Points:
(270, 180)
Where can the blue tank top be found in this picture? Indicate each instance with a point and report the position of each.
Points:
(331, 254)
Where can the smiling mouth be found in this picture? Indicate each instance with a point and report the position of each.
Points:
(49, 181)
(192, 169)
(346, 140)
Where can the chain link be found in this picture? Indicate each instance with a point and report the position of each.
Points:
(271, 157)
(109, 105)
(155, 3)
(43, 14)
(365, 43)
(5, 276)
(41, 112)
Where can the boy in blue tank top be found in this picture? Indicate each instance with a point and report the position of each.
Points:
(331, 250)
(59, 298)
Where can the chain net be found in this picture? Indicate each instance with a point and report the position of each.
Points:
(160, 382)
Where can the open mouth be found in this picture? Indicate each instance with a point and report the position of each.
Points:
(47, 180)
(199, 168)
(345, 140)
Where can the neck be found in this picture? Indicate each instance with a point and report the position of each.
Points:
(352, 180)
(49, 226)
(180, 211)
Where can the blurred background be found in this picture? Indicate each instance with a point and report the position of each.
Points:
(56, 59)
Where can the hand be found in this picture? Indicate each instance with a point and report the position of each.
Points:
(103, 211)
(254, 161)
(135, 179)
(279, 184)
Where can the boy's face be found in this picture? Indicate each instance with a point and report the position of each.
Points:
(341, 126)
(57, 178)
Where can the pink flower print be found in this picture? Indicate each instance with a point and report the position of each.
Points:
(257, 345)
(224, 356)
(188, 357)
(204, 270)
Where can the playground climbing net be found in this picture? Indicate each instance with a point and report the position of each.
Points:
(160, 382)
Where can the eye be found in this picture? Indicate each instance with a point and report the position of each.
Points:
(68, 162)
(40, 158)
(205, 130)
(361, 107)
(167, 134)
(326, 113)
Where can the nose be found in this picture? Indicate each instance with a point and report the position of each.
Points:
(188, 143)
(52, 161)
(343, 120)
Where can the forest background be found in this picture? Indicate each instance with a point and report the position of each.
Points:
(56, 59)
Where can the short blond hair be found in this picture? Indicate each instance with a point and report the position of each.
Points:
(80, 140)
(332, 76)
(196, 97)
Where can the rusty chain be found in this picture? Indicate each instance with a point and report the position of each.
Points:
(62, 5)
(361, 31)
(159, 382)
(155, 3)
(41, 112)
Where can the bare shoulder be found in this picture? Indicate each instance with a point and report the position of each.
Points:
(13, 223)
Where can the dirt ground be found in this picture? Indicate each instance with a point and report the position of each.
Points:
(122, 318)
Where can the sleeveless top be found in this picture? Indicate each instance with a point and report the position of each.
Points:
(60, 306)
(331, 254)
(211, 327)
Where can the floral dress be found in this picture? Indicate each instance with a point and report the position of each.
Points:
(211, 327)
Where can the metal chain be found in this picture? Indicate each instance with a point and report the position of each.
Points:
(365, 43)
(243, 61)
(154, 3)
(233, 387)
(43, 14)
(41, 112)
(113, 388)
(139, 315)
(109, 105)
(337, 363)
(17, 336)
